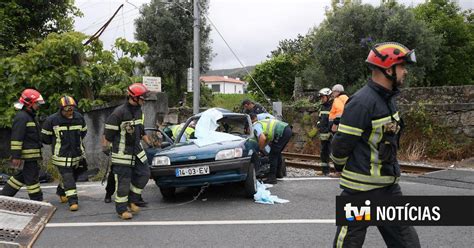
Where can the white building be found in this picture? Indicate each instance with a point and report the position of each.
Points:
(223, 84)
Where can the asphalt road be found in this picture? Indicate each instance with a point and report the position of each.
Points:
(223, 217)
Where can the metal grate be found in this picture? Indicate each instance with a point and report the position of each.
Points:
(8, 235)
(21, 221)
(23, 207)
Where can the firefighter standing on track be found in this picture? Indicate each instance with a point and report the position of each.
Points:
(337, 108)
(65, 131)
(26, 146)
(324, 128)
(124, 130)
(365, 146)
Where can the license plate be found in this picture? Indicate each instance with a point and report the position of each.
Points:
(192, 171)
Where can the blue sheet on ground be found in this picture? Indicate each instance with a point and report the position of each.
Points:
(264, 196)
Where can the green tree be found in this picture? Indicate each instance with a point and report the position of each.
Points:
(276, 77)
(341, 43)
(167, 28)
(455, 58)
(23, 22)
(60, 64)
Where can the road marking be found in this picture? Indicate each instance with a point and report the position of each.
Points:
(194, 223)
(55, 186)
(307, 178)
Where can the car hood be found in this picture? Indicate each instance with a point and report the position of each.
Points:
(189, 151)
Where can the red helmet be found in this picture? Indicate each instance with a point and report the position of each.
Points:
(30, 96)
(388, 54)
(137, 89)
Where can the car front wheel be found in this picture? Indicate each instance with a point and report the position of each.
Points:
(168, 193)
(251, 182)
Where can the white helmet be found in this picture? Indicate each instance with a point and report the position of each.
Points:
(325, 92)
(338, 88)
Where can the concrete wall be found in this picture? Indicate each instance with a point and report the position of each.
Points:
(155, 108)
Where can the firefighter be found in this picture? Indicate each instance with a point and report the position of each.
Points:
(65, 131)
(324, 128)
(123, 132)
(250, 107)
(340, 99)
(26, 146)
(188, 132)
(365, 145)
(276, 134)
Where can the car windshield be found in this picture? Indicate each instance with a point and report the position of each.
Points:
(237, 125)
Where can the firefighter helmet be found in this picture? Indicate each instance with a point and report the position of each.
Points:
(29, 97)
(387, 54)
(325, 92)
(67, 101)
(137, 90)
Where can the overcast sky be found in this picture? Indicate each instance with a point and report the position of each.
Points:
(252, 28)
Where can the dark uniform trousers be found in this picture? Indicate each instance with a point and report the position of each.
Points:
(394, 236)
(28, 176)
(110, 187)
(277, 147)
(129, 183)
(69, 176)
(325, 151)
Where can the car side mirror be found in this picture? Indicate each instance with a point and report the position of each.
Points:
(165, 144)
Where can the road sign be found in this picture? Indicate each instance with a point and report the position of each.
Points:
(152, 83)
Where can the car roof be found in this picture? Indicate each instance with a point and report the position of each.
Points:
(225, 112)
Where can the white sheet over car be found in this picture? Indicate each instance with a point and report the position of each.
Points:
(205, 131)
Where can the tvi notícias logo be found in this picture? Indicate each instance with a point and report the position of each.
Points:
(354, 213)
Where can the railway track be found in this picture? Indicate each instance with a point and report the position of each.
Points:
(307, 161)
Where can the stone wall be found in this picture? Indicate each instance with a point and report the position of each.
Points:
(437, 95)
(155, 108)
(449, 106)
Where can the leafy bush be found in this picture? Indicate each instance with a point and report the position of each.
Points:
(425, 137)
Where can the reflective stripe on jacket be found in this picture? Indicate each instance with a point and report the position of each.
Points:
(66, 137)
(176, 129)
(25, 140)
(124, 129)
(355, 146)
(324, 125)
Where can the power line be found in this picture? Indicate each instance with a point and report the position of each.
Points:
(102, 19)
(102, 29)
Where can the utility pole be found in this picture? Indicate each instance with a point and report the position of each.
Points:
(196, 56)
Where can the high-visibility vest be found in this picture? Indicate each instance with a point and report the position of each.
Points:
(272, 128)
(337, 107)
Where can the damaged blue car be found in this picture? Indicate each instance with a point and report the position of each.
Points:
(222, 150)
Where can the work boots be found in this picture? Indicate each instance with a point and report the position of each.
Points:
(271, 179)
(134, 208)
(126, 215)
(62, 199)
(108, 198)
(73, 207)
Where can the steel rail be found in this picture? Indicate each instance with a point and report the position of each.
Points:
(294, 160)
